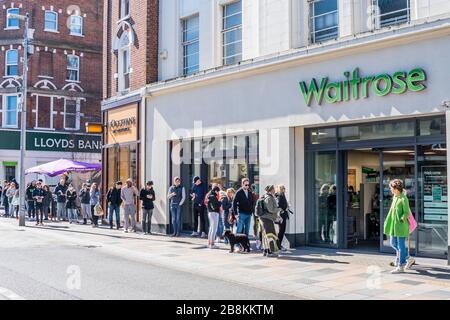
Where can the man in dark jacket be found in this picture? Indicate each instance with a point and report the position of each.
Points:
(147, 196)
(244, 205)
(38, 196)
(30, 201)
(114, 200)
(60, 192)
(199, 191)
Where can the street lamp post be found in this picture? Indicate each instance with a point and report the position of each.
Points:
(23, 107)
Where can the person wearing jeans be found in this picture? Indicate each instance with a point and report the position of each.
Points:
(85, 198)
(71, 204)
(60, 192)
(213, 215)
(114, 200)
(147, 197)
(396, 224)
(94, 196)
(176, 196)
(128, 195)
(30, 201)
(39, 195)
(198, 194)
(243, 205)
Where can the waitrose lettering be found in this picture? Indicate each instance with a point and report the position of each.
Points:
(356, 87)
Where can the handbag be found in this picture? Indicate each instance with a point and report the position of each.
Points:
(412, 222)
(98, 211)
(231, 218)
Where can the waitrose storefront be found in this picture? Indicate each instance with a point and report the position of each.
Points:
(334, 125)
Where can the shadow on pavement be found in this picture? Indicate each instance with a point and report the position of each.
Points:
(432, 272)
(165, 239)
(311, 260)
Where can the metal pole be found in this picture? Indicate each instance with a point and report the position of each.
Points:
(23, 125)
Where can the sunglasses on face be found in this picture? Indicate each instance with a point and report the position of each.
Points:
(246, 185)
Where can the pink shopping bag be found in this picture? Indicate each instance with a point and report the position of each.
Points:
(412, 222)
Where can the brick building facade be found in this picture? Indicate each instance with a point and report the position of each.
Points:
(130, 62)
(64, 81)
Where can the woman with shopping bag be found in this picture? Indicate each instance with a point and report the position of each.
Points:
(397, 224)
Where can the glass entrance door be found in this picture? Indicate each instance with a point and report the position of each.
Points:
(432, 219)
(398, 163)
(322, 222)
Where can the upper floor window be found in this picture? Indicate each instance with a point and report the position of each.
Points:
(12, 63)
(124, 62)
(51, 21)
(324, 20)
(12, 23)
(71, 114)
(76, 25)
(191, 54)
(393, 12)
(73, 68)
(232, 33)
(10, 112)
(124, 8)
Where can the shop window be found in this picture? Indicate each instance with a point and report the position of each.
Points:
(232, 33)
(322, 226)
(12, 23)
(432, 127)
(73, 68)
(51, 21)
(324, 20)
(12, 63)
(76, 25)
(383, 130)
(191, 55)
(322, 135)
(10, 172)
(392, 12)
(432, 236)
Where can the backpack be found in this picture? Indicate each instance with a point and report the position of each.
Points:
(260, 209)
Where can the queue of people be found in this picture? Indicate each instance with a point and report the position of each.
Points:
(232, 210)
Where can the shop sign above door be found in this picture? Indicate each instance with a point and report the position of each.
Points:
(122, 125)
(52, 141)
(355, 87)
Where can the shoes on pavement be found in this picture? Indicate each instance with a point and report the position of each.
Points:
(399, 269)
(125, 230)
(283, 249)
(194, 234)
(409, 263)
(214, 247)
(204, 236)
(258, 245)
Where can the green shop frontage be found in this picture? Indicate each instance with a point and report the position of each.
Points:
(43, 147)
(348, 175)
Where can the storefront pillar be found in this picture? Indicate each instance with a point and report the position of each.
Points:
(278, 166)
(447, 119)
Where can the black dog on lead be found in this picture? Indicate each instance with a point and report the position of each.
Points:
(235, 239)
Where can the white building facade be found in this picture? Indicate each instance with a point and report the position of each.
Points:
(330, 98)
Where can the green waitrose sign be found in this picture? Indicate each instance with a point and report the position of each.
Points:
(46, 141)
(355, 87)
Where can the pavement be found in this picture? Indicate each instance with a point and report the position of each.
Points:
(303, 273)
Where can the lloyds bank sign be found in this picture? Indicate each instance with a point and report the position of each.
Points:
(355, 87)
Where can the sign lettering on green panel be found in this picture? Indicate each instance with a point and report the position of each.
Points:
(56, 142)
